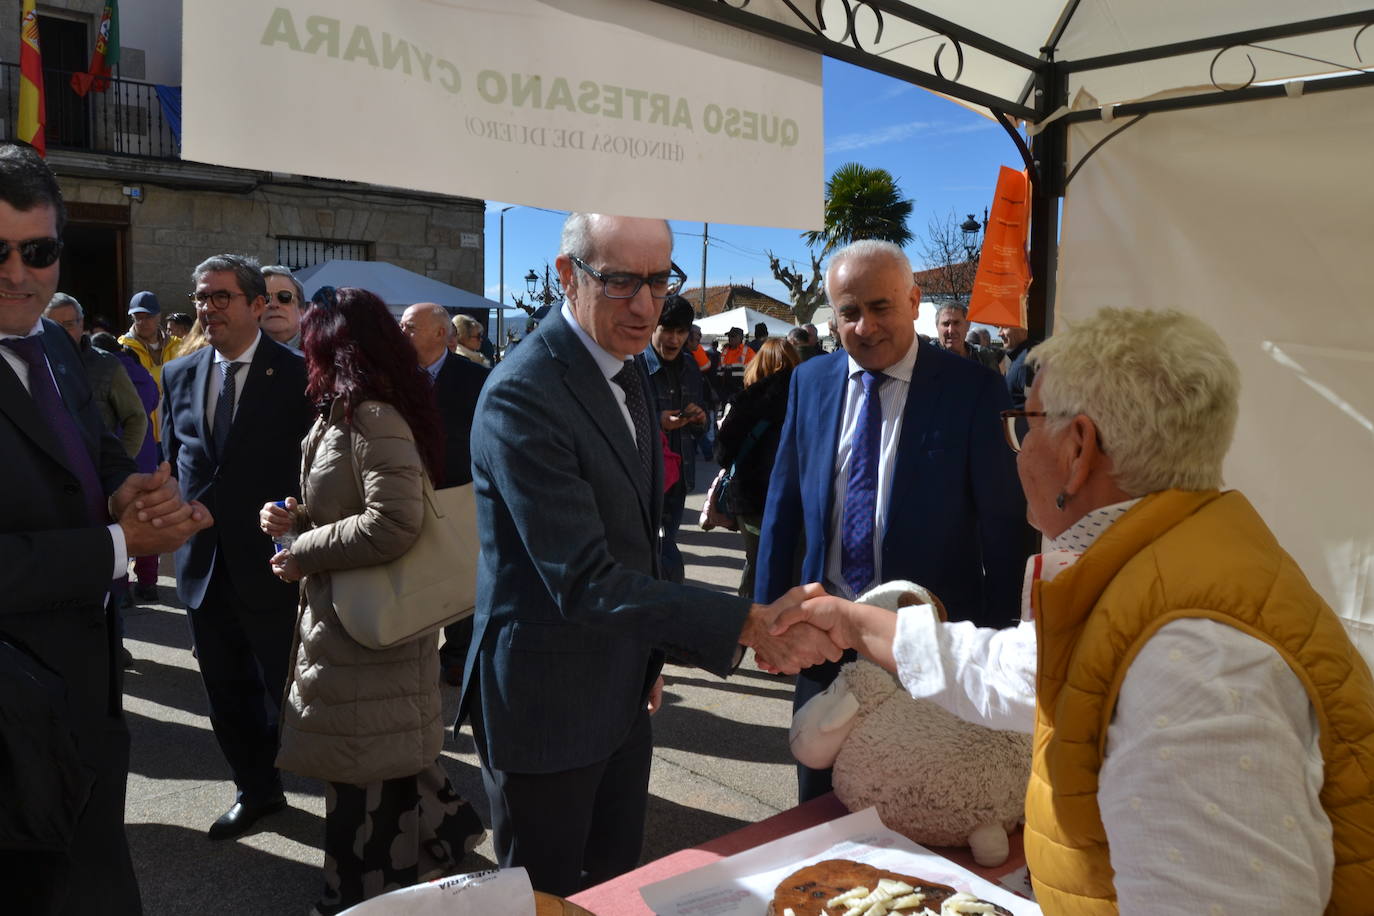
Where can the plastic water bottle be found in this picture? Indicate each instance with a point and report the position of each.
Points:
(284, 541)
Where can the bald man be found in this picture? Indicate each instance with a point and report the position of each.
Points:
(457, 383)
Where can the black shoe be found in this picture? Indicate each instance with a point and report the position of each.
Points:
(241, 817)
(127, 659)
(145, 592)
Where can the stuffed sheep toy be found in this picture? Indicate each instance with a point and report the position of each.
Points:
(933, 777)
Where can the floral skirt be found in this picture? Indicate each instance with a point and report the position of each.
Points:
(392, 834)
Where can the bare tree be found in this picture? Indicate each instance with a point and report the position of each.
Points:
(946, 251)
(806, 295)
(548, 293)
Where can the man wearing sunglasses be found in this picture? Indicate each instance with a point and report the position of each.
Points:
(62, 842)
(573, 617)
(281, 319)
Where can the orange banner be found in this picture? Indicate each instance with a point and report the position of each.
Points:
(999, 287)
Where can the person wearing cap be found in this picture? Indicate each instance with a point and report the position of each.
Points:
(151, 344)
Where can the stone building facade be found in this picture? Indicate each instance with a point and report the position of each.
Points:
(140, 217)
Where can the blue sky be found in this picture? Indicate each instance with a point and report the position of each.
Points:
(943, 156)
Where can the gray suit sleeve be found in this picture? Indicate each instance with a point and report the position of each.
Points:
(528, 469)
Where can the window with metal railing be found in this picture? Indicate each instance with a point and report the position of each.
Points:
(130, 118)
(296, 253)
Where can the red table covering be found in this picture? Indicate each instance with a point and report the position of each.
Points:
(620, 896)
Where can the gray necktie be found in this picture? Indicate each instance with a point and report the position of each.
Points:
(628, 378)
(224, 407)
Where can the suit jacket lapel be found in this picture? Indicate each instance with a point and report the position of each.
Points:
(253, 386)
(829, 411)
(198, 379)
(19, 406)
(64, 370)
(919, 434)
(591, 390)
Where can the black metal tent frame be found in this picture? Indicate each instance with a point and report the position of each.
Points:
(1045, 90)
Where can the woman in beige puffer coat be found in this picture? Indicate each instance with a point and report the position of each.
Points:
(366, 721)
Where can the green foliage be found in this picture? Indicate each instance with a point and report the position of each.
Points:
(862, 203)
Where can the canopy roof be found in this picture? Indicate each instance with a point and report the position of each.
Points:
(744, 319)
(394, 285)
(1108, 51)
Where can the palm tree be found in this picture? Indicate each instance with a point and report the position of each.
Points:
(862, 203)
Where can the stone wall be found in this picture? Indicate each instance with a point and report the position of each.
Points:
(173, 229)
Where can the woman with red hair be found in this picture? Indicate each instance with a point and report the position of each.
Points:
(367, 721)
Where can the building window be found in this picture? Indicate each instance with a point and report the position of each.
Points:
(298, 253)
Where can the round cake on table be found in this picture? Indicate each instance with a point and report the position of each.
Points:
(840, 887)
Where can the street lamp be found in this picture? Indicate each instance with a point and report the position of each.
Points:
(970, 228)
(531, 280)
(501, 271)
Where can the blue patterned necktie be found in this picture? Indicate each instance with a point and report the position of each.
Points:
(224, 407)
(861, 492)
(54, 411)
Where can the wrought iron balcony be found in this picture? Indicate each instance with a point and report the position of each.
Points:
(130, 118)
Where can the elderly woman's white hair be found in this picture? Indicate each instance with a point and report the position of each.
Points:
(1160, 386)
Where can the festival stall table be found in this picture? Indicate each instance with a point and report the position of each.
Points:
(620, 896)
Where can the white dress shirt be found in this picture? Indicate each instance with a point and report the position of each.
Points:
(1210, 784)
(21, 369)
(892, 395)
(244, 360)
(608, 363)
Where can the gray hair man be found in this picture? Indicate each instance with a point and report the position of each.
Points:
(281, 318)
(870, 468)
(952, 334)
(568, 468)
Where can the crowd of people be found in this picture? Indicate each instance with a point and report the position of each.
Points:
(1198, 708)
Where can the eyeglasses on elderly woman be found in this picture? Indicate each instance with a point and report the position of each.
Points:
(1016, 424)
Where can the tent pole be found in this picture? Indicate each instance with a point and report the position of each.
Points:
(1049, 151)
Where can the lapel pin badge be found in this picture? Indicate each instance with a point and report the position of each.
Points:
(269, 371)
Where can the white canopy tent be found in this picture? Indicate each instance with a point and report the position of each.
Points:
(744, 319)
(1175, 195)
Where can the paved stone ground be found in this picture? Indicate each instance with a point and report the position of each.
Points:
(720, 762)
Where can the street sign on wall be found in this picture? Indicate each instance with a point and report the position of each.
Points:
(616, 106)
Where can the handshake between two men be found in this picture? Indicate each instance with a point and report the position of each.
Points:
(807, 627)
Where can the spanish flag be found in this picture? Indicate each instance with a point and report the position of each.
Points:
(106, 54)
(31, 111)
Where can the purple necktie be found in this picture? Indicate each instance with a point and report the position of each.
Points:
(861, 493)
(60, 421)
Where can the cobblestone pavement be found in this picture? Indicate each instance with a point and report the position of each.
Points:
(720, 762)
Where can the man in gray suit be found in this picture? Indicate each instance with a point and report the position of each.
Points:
(573, 619)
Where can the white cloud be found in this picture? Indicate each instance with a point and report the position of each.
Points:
(893, 133)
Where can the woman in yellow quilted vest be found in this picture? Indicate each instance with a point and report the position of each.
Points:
(1204, 726)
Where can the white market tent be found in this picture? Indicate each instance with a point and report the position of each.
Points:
(1210, 157)
(744, 319)
(394, 285)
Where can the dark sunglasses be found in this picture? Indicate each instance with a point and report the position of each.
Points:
(34, 252)
(285, 296)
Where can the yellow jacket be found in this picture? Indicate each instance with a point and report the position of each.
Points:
(171, 349)
(1180, 555)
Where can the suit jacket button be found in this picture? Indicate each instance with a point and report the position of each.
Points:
(71, 488)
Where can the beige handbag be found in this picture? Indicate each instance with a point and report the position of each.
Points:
(431, 585)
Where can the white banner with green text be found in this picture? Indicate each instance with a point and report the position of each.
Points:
(615, 106)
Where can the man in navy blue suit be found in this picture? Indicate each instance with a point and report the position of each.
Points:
(573, 617)
(892, 465)
(234, 416)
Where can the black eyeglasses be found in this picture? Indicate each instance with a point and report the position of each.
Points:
(284, 296)
(218, 299)
(1016, 424)
(33, 252)
(626, 286)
